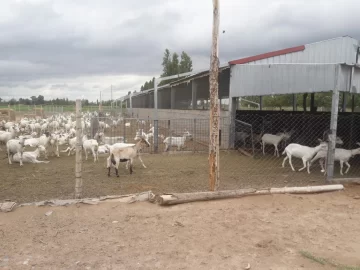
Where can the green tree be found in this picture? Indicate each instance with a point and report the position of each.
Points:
(12, 101)
(40, 99)
(33, 99)
(174, 64)
(166, 63)
(185, 63)
(171, 66)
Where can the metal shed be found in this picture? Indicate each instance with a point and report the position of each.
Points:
(326, 66)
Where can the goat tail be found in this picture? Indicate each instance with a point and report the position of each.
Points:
(283, 153)
(112, 159)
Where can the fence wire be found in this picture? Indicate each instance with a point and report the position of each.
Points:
(178, 162)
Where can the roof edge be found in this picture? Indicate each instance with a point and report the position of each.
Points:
(267, 55)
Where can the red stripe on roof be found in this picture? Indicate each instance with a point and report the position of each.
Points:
(267, 55)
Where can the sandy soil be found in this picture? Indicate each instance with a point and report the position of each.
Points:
(269, 232)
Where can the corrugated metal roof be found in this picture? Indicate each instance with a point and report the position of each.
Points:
(278, 79)
(336, 50)
(266, 55)
(197, 76)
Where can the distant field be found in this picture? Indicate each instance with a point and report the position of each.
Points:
(50, 108)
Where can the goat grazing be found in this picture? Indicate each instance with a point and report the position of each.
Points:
(303, 152)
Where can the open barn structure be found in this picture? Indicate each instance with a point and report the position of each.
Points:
(303, 77)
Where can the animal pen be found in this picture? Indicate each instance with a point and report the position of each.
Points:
(305, 126)
(260, 95)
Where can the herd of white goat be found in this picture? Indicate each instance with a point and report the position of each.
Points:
(47, 135)
(307, 154)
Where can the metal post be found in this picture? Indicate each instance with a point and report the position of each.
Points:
(214, 102)
(193, 134)
(78, 164)
(156, 122)
(233, 107)
(344, 102)
(261, 103)
(294, 101)
(332, 135)
(124, 131)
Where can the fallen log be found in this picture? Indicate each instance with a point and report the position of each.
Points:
(179, 198)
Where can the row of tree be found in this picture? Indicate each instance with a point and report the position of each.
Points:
(171, 66)
(40, 100)
(303, 101)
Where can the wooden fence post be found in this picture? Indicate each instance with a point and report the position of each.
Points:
(78, 164)
(214, 102)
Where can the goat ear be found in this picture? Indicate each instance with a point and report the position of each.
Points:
(320, 140)
(357, 143)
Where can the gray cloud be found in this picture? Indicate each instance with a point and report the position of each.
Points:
(73, 47)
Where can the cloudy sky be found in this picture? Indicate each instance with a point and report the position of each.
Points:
(75, 48)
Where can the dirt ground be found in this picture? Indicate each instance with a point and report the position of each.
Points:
(268, 232)
(164, 173)
(184, 172)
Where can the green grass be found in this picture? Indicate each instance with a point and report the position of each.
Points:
(324, 261)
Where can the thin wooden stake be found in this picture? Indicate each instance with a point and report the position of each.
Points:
(214, 102)
(78, 163)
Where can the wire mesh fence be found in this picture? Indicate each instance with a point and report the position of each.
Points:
(276, 148)
(177, 161)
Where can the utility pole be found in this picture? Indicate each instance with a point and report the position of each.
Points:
(214, 102)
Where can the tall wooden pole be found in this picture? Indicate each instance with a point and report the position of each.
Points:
(78, 164)
(214, 102)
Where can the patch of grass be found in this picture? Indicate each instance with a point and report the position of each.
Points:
(324, 261)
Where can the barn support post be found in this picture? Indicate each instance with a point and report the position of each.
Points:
(233, 107)
(194, 94)
(332, 135)
(214, 102)
(78, 156)
(294, 101)
(344, 101)
(172, 96)
(131, 105)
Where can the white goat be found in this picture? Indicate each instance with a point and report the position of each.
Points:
(14, 146)
(103, 149)
(8, 135)
(175, 141)
(124, 153)
(100, 137)
(31, 157)
(341, 155)
(303, 152)
(71, 147)
(274, 140)
(91, 145)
